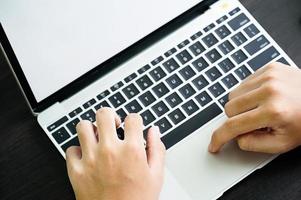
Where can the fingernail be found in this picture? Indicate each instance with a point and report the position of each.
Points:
(156, 129)
(210, 148)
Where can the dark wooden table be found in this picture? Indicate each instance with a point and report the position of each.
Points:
(31, 168)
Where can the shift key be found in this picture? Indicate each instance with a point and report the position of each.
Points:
(263, 58)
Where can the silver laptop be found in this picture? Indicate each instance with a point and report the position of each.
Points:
(173, 61)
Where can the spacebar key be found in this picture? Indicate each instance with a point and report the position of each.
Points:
(191, 125)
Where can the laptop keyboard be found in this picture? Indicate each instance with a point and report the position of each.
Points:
(186, 87)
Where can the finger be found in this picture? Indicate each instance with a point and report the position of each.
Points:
(86, 135)
(236, 126)
(244, 103)
(155, 150)
(73, 155)
(254, 81)
(133, 128)
(262, 141)
(107, 121)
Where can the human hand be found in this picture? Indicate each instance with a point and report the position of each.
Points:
(107, 168)
(264, 112)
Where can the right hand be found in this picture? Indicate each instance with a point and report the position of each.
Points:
(264, 112)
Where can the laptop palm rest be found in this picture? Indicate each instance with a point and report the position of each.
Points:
(203, 175)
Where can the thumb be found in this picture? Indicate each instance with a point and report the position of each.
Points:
(155, 150)
(261, 141)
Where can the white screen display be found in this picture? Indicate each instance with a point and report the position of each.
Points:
(57, 41)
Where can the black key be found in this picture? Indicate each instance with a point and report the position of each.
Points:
(147, 98)
(187, 72)
(72, 126)
(242, 72)
(222, 32)
(157, 73)
(89, 115)
(101, 105)
(103, 95)
(144, 69)
(256, 45)
(61, 135)
(191, 125)
(176, 116)
(210, 40)
(174, 100)
(120, 133)
(187, 91)
(89, 103)
(213, 74)
(217, 89)
(196, 35)
(283, 61)
(190, 107)
(170, 52)
(57, 123)
(200, 82)
(222, 19)
(147, 117)
(122, 114)
(130, 77)
(160, 108)
(174, 81)
(184, 57)
(183, 44)
(197, 48)
(171, 65)
(203, 99)
(213, 56)
(239, 56)
(75, 112)
(164, 125)
(238, 21)
(233, 12)
(251, 30)
(200, 64)
(230, 81)
(145, 133)
(73, 142)
(263, 58)
(144, 82)
(130, 91)
(226, 65)
(117, 99)
(224, 100)
(208, 28)
(157, 60)
(133, 107)
(239, 39)
(160, 90)
(226, 47)
(117, 86)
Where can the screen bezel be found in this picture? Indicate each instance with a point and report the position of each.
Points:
(102, 68)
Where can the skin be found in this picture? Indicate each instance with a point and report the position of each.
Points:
(264, 112)
(264, 116)
(107, 168)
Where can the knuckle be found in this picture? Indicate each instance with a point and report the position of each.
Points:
(276, 111)
(271, 89)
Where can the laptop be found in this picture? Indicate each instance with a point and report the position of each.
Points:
(174, 62)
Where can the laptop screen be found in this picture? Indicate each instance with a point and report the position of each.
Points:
(58, 41)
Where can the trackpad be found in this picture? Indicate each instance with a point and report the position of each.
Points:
(206, 176)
